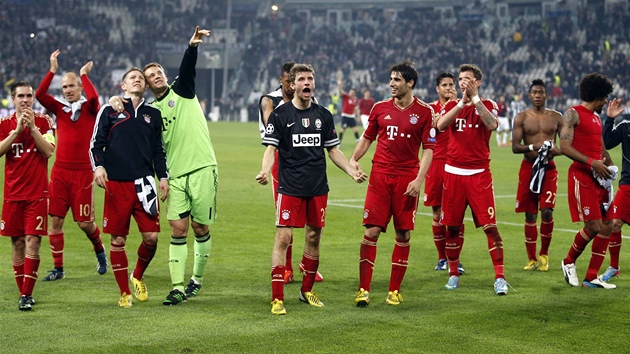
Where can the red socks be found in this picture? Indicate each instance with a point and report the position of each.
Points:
(367, 257)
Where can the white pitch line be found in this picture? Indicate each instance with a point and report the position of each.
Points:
(342, 203)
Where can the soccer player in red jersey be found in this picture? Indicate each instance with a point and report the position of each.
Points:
(71, 179)
(581, 140)
(434, 183)
(348, 110)
(27, 142)
(300, 131)
(467, 177)
(617, 132)
(267, 104)
(402, 125)
(365, 106)
(126, 151)
(534, 136)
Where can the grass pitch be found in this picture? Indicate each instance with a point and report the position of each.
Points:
(541, 313)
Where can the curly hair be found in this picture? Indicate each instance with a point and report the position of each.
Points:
(594, 87)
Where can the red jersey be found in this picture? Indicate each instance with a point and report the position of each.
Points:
(469, 143)
(400, 133)
(441, 144)
(365, 106)
(502, 109)
(349, 103)
(73, 138)
(25, 168)
(587, 135)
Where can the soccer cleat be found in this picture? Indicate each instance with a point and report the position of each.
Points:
(598, 283)
(442, 265)
(125, 301)
(610, 273)
(543, 263)
(174, 298)
(570, 274)
(394, 298)
(460, 269)
(288, 276)
(318, 277)
(277, 307)
(532, 264)
(500, 286)
(192, 289)
(24, 304)
(363, 298)
(30, 300)
(55, 275)
(139, 289)
(310, 298)
(453, 283)
(101, 263)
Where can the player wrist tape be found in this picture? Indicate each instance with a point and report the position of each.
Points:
(531, 147)
(460, 104)
(475, 99)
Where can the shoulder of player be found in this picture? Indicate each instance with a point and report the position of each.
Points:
(46, 117)
(382, 103)
(553, 112)
(148, 107)
(6, 118)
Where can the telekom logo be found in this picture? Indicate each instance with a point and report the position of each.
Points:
(392, 131)
(460, 123)
(18, 149)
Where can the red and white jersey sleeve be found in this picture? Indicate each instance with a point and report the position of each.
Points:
(401, 132)
(469, 141)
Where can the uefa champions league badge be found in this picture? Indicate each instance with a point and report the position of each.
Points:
(285, 215)
(413, 119)
(269, 129)
(171, 103)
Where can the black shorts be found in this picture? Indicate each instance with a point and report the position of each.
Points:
(348, 122)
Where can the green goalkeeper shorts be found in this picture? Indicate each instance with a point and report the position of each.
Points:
(194, 195)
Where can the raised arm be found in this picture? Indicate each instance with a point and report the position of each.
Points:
(185, 82)
(90, 91)
(42, 95)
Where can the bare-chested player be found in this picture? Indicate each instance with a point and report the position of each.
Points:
(534, 136)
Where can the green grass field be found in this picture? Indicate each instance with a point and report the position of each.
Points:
(541, 313)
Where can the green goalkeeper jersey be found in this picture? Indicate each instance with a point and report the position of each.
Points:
(184, 126)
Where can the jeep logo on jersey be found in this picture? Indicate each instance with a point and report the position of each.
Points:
(306, 122)
(304, 140)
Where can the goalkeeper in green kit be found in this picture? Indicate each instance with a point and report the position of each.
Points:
(192, 167)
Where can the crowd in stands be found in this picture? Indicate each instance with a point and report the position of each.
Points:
(117, 34)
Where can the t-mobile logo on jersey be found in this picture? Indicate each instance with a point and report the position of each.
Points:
(18, 150)
(392, 131)
(460, 123)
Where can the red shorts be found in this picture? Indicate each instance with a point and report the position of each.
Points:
(622, 198)
(434, 184)
(72, 189)
(526, 200)
(121, 203)
(297, 211)
(386, 198)
(24, 217)
(585, 196)
(461, 191)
